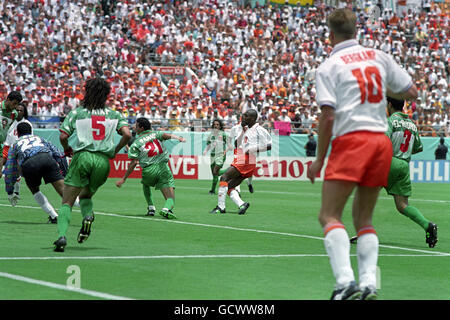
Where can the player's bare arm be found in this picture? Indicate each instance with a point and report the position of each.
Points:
(168, 136)
(326, 121)
(126, 136)
(410, 94)
(64, 139)
(130, 169)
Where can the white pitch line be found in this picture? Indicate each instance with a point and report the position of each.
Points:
(63, 287)
(238, 229)
(318, 194)
(204, 256)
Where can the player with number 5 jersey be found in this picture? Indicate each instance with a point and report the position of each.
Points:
(92, 126)
(149, 151)
(351, 89)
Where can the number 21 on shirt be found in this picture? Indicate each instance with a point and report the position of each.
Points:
(153, 147)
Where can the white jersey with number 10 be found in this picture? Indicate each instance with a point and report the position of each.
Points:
(353, 81)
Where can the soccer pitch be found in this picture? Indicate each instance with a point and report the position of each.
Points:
(273, 252)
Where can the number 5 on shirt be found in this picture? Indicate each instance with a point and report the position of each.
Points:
(98, 128)
(366, 85)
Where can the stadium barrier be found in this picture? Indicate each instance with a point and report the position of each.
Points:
(286, 161)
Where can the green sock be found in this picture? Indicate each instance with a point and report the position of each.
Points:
(415, 215)
(148, 195)
(86, 206)
(214, 183)
(64, 217)
(169, 204)
(222, 171)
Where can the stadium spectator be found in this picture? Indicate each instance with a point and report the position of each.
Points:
(275, 55)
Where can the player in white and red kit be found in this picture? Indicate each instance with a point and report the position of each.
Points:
(235, 132)
(252, 140)
(351, 87)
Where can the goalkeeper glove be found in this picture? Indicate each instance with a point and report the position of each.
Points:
(13, 198)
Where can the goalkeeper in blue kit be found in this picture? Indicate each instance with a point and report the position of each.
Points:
(36, 159)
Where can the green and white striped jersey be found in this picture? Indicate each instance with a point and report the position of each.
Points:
(94, 129)
(218, 142)
(6, 119)
(149, 149)
(404, 136)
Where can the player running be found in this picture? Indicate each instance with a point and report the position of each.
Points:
(405, 142)
(252, 140)
(149, 151)
(217, 143)
(36, 159)
(8, 114)
(352, 85)
(93, 125)
(12, 137)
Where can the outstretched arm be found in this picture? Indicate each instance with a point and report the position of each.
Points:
(131, 167)
(168, 136)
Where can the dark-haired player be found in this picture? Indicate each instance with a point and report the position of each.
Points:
(149, 151)
(8, 114)
(405, 142)
(94, 126)
(251, 141)
(36, 159)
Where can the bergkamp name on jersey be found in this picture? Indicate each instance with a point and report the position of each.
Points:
(358, 56)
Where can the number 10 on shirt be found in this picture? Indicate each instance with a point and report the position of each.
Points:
(366, 84)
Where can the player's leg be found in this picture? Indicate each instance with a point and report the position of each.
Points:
(96, 170)
(229, 175)
(335, 194)
(17, 186)
(378, 164)
(166, 183)
(149, 200)
(215, 168)
(43, 202)
(33, 170)
(250, 184)
(235, 196)
(430, 228)
(167, 210)
(399, 186)
(149, 180)
(367, 246)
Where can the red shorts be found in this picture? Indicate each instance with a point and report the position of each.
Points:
(362, 156)
(244, 163)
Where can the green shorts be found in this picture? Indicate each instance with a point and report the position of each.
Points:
(399, 182)
(217, 161)
(158, 175)
(88, 169)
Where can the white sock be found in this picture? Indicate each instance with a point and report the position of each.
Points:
(337, 244)
(234, 195)
(151, 208)
(367, 251)
(221, 196)
(45, 205)
(249, 180)
(17, 186)
(77, 202)
(238, 189)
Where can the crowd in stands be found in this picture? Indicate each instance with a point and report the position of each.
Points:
(263, 57)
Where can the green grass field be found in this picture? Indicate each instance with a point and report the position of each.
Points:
(274, 252)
